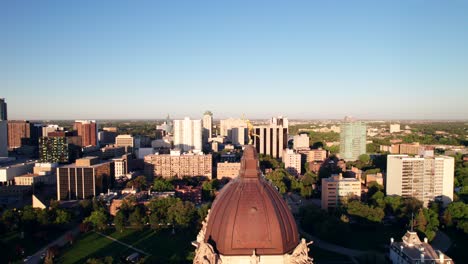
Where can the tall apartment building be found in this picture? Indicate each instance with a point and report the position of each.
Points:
(317, 155)
(207, 126)
(126, 141)
(88, 131)
(188, 135)
(352, 140)
(19, 133)
(3, 109)
(292, 162)
(272, 139)
(427, 179)
(85, 178)
(3, 138)
(53, 150)
(235, 131)
(178, 165)
(228, 170)
(301, 142)
(336, 190)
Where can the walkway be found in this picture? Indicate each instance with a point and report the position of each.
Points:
(124, 244)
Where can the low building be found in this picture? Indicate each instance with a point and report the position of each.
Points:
(336, 190)
(301, 142)
(228, 169)
(412, 251)
(374, 177)
(314, 166)
(45, 168)
(112, 151)
(30, 179)
(189, 193)
(10, 171)
(126, 141)
(395, 128)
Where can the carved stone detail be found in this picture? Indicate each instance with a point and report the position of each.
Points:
(300, 255)
(201, 234)
(205, 255)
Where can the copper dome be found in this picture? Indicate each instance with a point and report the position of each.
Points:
(249, 214)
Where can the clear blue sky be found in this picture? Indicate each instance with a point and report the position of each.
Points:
(302, 59)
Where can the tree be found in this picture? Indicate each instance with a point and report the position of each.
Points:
(120, 221)
(62, 217)
(137, 219)
(138, 183)
(373, 214)
(98, 219)
(181, 214)
(420, 221)
(364, 158)
(161, 185)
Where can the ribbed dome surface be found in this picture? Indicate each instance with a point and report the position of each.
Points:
(250, 214)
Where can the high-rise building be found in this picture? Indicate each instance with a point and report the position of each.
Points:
(352, 140)
(179, 165)
(424, 178)
(87, 130)
(207, 126)
(19, 133)
(126, 141)
(301, 142)
(53, 150)
(3, 138)
(235, 130)
(3, 109)
(292, 162)
(84, 179)
(188, 135)
(272, 139)
(337, 189)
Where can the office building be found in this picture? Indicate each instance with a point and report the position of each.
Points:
(374, 177)
(50, 129)
(292, 162)
(394, 128)
(106, 137)
(412, 251)
(112, 151)
(87, 130)
(235, 131)
(352, 140)
(30, 179)
(301, 142)
(317, 155)
(178, 165)
(84, 179)
(188, 135)
(3, 109)
(3, 138)
(207, 126)
(336, 190)
(228, 170)
(424, 178)
(19, 133)
(126, 141)
(121, 166)
(273, 138)
(53, 150)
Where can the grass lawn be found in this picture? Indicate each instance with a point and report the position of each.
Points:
(323, 256)
(163, 246)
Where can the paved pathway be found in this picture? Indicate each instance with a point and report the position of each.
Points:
(61, 241)
(122, 243)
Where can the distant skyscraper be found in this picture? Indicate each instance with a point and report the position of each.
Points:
(352, 140)
(188, 134)
(19, 133)
(3, 109)
(87, 130)
(426, 179)
(273, 139)
(207, 126)
(53, 150)
(235, 130)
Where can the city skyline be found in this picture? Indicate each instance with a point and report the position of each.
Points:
(303, 60)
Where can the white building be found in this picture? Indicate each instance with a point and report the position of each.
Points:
(292, 162)
(235, 130)
(273, 138)
(126, 141)
(424, 178)
(8, 173)
(301, 142)
(394, 128)
(188, 135)
(120, 166)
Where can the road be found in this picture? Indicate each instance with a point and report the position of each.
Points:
(61, 241)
